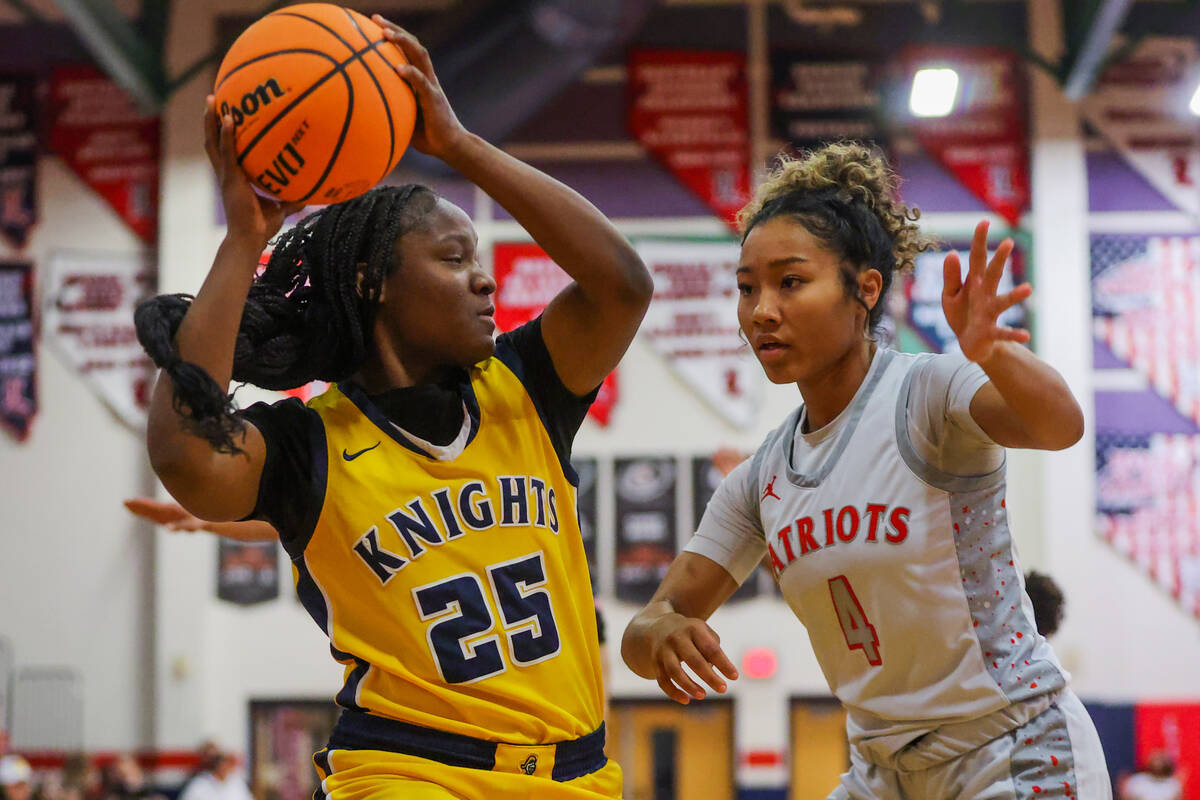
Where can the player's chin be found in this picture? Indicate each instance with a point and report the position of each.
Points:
(780, 373)
(480, 349)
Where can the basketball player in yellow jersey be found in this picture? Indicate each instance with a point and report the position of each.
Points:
(427, 499)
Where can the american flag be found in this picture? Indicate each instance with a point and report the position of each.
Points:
(1148, 507)
(1146, 308)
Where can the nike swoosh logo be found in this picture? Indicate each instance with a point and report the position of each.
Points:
(352, 456)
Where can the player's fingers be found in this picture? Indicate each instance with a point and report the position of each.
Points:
(951, 275)
(995, 268)
(212, 131)
(413, 50)
(978, 258)
(672, 691)
(716, 656)
(700, 665)
(673, 668)
(1006, 334)
(229, 158)
(1017, 295)
(420, 84)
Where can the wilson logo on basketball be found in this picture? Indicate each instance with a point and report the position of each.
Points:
(251, 102)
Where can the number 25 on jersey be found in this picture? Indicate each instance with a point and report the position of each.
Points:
(858, 630)
(461, 615)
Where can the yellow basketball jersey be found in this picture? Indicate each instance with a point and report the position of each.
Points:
(456, 592)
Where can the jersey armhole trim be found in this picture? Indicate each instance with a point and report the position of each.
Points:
(318, 481)
(925, 471)
(509, 357)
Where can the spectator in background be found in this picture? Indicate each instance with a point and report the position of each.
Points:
(218, 777)
(1156, 782)
(16, 778)
(124, 779)
(1048, 602)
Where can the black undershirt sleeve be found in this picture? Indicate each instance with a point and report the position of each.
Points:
(562, 411)
(288, 496)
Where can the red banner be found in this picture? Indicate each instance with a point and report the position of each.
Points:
(526, 281)
(1173, 728)
(689, 110)
(984, 141)
(109, 143)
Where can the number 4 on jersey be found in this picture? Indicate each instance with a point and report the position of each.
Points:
(858, 630)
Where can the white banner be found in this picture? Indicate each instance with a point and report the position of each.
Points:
(1140, 105)
(692, 324)
(88, 316)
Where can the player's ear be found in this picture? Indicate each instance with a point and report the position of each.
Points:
(870, 286)
(361, 269)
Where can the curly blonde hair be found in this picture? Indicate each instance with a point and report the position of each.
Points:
(839, 192)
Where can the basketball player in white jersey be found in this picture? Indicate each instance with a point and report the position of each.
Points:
(879, 505)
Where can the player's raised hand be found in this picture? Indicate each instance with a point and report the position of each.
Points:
(676, 640)
(972, 305)
(247, 213)
(438, 130)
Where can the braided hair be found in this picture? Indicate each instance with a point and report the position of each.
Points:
(846, 196)
(308, 315)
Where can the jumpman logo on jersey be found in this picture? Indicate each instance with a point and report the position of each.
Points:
(770, 490)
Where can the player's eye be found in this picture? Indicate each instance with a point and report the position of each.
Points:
(792, 282)
(744, 289)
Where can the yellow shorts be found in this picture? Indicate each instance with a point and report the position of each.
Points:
(378, 774)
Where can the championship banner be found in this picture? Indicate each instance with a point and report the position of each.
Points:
(18, 361)
(984, 141)
(689, 110)
(705, 480)
(526, 281)
(110, 144)
(646, 514)
(18, 157)
(914, 320)
(815, 101)
(87, 308)
(1140, 106)
(692, 324)
(585, 503)
(247, 572)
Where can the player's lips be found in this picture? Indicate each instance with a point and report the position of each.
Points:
(488, 315)
(769, 348)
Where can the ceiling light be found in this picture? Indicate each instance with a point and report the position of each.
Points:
(933, 92)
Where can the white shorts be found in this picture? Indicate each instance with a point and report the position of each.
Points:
(1056, 754)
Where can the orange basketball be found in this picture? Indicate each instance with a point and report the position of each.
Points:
(320, 114)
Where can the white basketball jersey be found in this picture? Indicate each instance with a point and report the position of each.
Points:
(904, 576)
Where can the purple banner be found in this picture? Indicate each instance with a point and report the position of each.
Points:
(18, 157)
(646, 521)
(18, 362)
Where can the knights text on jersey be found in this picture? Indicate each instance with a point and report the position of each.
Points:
(455, 591)
(905, 577)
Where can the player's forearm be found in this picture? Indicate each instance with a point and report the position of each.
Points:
(1036, 394)
(250, 530)
(571, 230)
(206, 337)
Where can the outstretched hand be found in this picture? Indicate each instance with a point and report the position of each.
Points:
(172, 516)
(676, 640)
(247, 213)
(438, 130)
(971, 304)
